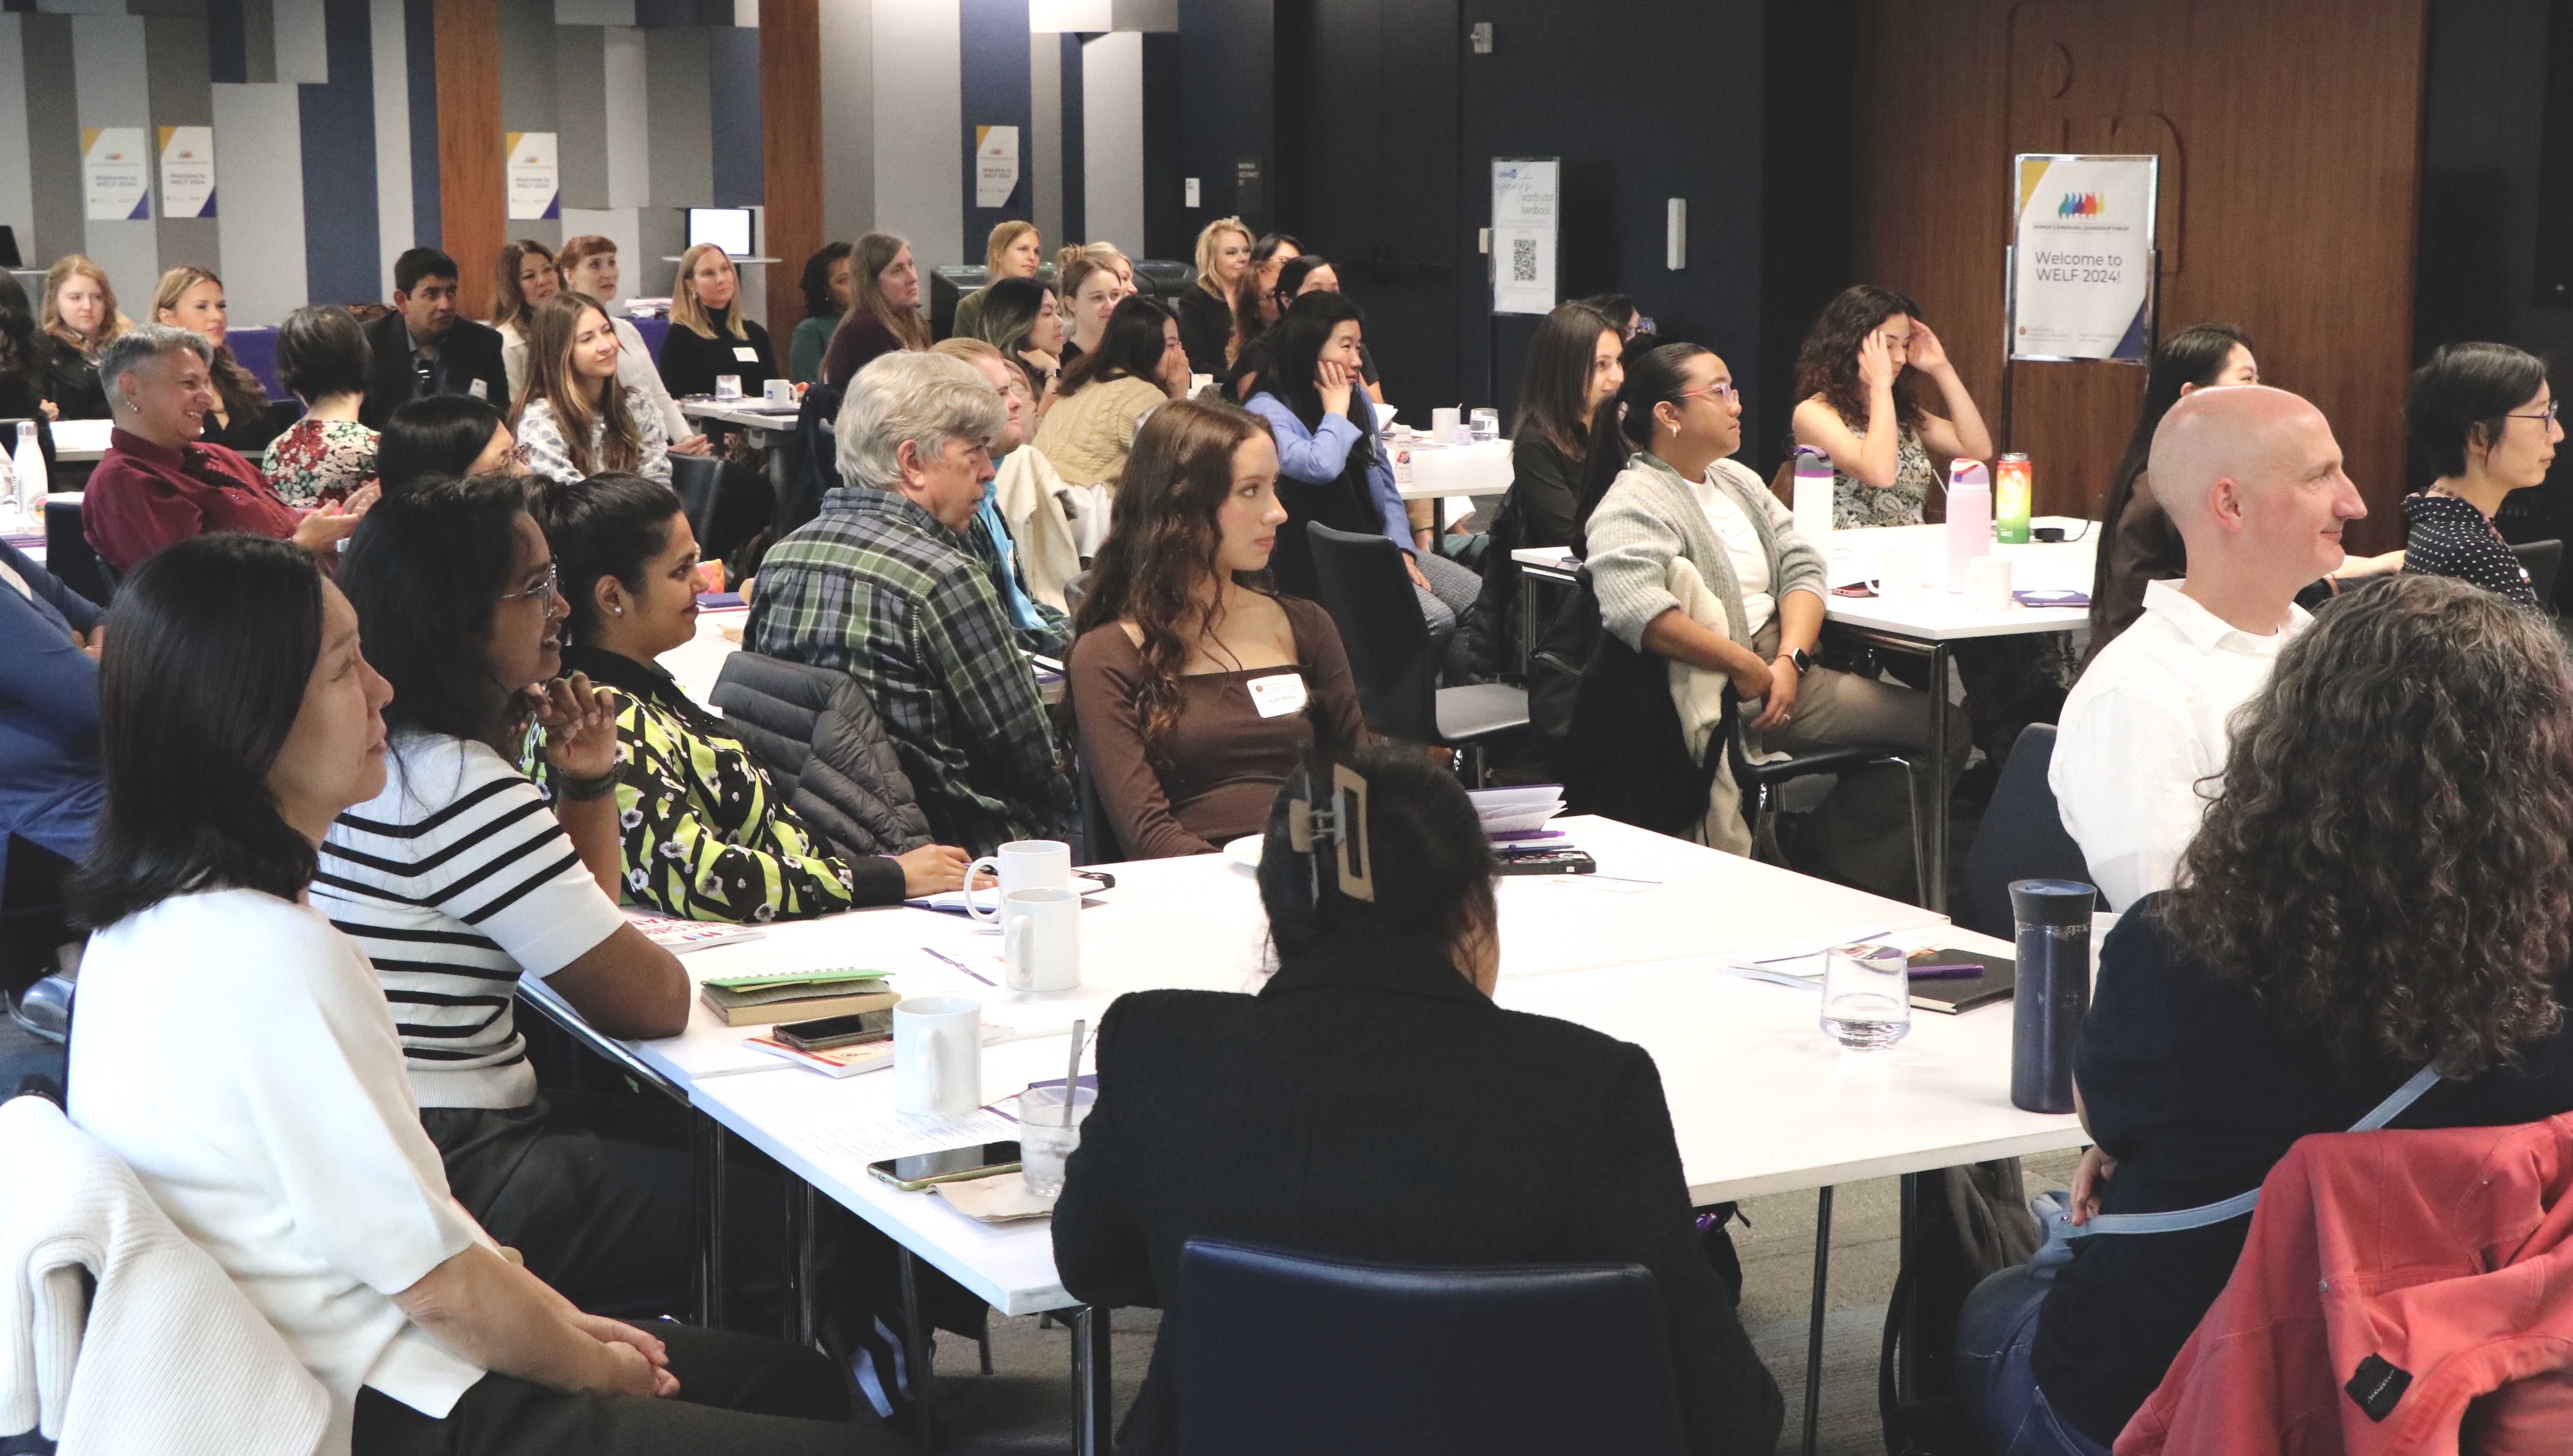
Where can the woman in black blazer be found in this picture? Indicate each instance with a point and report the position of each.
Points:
(1372, 1103)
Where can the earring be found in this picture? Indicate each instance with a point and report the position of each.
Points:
(618, 611)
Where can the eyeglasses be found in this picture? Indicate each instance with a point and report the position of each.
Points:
(1725, 392)
(543, 591)
(2549, 414)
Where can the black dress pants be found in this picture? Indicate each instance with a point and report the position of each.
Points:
(739, 1395)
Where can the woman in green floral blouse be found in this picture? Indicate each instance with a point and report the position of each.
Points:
(706, 835)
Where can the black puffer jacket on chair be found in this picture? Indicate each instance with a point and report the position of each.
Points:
(819, 736)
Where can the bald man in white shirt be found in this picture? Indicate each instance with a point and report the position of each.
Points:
(2252, 479)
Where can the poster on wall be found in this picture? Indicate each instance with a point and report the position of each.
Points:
(1527, 191)
(536, 176)
(187, 172)
(117, 172)
(2082, 258)
(996, 165)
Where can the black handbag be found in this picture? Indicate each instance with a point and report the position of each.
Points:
(1603, 715)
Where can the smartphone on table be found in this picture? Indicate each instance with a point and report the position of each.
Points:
(829, 1031)
(948, 1165)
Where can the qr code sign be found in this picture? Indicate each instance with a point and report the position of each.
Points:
(1523, 260)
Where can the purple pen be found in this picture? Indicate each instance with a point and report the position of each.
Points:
(1968, 972)
(959, 964)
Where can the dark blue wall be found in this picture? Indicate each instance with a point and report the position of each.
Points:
(342, 255)
(995, 92)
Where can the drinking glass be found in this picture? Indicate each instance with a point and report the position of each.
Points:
(1045, 1138)
(1486, 424)
(1867, 997)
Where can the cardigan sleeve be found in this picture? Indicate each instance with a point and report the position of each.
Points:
(1631, 550)
(1104, 671)
(655, 464)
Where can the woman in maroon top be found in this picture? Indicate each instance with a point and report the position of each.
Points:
(1191, 678)
(159, 483)
(884, 309)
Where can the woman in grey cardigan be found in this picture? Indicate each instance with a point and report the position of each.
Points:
(1681, 498)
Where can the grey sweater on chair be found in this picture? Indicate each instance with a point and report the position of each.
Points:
(1649, 517)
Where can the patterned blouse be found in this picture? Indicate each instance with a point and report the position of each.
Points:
(318, 460)
(2448, 536)
(1856, 504)
(704, 838)
(543, 451)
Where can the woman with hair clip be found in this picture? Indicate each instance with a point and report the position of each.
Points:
(1854, 377)
(1295, 1117)
(1135, 367)
(1087, 279)
(445, 435)
(1694, 562)
(709, 336)
(1015, 250)
(22, 368)
(2306, 963)
(575, 418)
(884, 309)
(236, 1053)
(706, 834)
(1022, 318)
(523, 276)
(1206, 308)
(2485, 416)
(1191, 677)
(588, 265)
(327, 455)
(1575, 364)
(826, 289)
(80, 314)
(243, 420)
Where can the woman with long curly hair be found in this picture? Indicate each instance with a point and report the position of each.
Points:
(2378, 884)
(1855, 381)
(1191, 677)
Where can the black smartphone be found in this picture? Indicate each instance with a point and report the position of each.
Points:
(948, 1165)
(1550, 862)
(830, 1032)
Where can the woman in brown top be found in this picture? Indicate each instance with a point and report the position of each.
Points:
(1191, 678)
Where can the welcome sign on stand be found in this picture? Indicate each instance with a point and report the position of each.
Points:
(2082, 259)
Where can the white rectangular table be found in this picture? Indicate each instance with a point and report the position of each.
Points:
(748, 412)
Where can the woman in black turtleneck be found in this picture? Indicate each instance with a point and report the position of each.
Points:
(707, 335)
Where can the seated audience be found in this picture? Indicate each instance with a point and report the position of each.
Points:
(448, 436)
(706, 834)
(23, 376)
(2136, 542)
(80, 317)
(884, 309)
(1015, 250)
(2485, 416)
(1619, 310)
(243, 420)
(49, 791)
(236, 1054)
(159, 481)
(826, 301)
(588, 265)
(1042, 627)
(1255, 299)
(523, 276)
(1855, 376)
(1575, 364)
(327, 455)
(1297, 1118)
(709, 336)
(884, 585)
(1191, 677)
(1308, 273)
(1683, 497)
(1028, 493)
(1131, 368)
(2303, 964)
(1205, 309)
(1022, 318)
(577, 419)
(424, 347)
(1331, 467)
(1087, 279)
(2251, 478)
(461, 876)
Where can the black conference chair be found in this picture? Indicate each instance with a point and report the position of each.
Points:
(2542, 560)
(1290, 1353)
(68, 555)
(1098, 833)
(1760, 783)
(1370, 600)
(700, 481)
(2021, 837)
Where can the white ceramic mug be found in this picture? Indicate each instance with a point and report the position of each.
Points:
(1897, 574)
(779, 391)
(1021, 864)
(1041, 939)
(1444, 423)
(938, 1056)
(1988, 585)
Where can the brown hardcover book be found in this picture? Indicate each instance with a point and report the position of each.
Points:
(736, 1010)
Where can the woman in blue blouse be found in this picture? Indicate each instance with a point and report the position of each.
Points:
(1331, 469)
(50, 788)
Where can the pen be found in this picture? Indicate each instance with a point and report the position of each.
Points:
(1946, 973)
(961, 966)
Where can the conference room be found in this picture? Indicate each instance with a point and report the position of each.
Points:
(1200, 725)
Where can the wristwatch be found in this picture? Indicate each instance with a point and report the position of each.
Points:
(1803, 660)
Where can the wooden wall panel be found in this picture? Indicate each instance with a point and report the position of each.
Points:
(473, 192)
(2290, 138)
(790, 141)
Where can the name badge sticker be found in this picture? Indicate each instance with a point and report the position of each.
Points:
(1278, 696)
(745, 353)
(476, 388)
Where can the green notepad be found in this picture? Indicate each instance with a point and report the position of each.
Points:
(785, 984)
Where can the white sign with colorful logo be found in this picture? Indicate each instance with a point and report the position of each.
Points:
(117, 169)
(996, 165)
(187, 172)
(2082, 258)
(536, 176)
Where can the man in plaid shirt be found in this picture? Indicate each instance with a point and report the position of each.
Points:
(885, 586)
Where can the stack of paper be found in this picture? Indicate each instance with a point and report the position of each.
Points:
(679, 936)
(796, 996)
(1517, 811)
